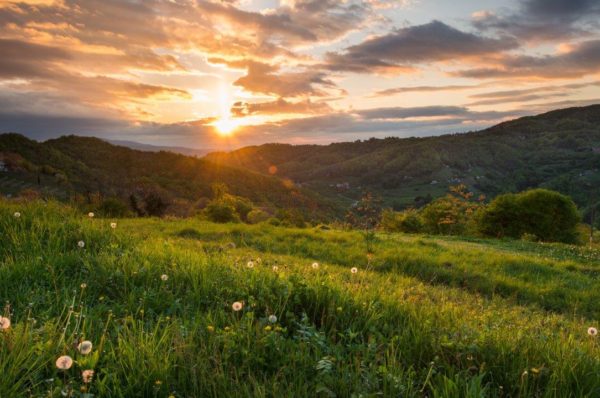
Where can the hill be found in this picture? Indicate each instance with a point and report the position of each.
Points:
(84, 165)
(436, 317)
(558, 150)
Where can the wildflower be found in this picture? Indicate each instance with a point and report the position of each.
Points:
(158, 382)
(250, 264)
(91, 214)
(268, 328)
(315, 265)
(85, 347)
(164, 277)
(210, 328)
(4, 323)
(113, 225)
(275, 268)
(272, 318)
(17, 214)
(83, 285)
(81, 244)
(354, 270)
(237, 306)
(87, 375)
(592, 331)
(64, 362)
(227, 328)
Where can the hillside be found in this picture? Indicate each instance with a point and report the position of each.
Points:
(559, 150)
(435, 317)
(70, 164)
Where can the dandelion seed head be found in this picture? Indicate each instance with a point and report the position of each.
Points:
(272, 318)
(85, 347)
(87, 375)
(237, 306)
(17, 214)
(91, 214)
(83, 285)
(592, 331)
(64, 362)
(250, 264)
(315, 265)
(4, 323)
(354, 270)
(81, 244)
(164, 277)
(113, 225)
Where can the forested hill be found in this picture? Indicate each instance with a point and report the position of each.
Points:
(84, 165)
(558, 150)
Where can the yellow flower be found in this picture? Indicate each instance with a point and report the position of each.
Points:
(267, 328)
(210, 328)
(158, 382)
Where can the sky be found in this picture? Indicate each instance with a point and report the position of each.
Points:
(221, 74)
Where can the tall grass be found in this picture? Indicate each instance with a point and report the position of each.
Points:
(423, 317)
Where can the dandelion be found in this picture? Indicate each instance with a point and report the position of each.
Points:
(164, 277)
(81, 244)
(268, 328)
(91, 214)
(158, 382)
(250, 264)
(85, 347)
(315, 265)
(17, 214)
(272, 318)
(258, 260)
(237, 306)
(87, 375)
(210, 328)
(354, 270)
(83, 285)
(592, 331)
(64, 362)
(275, 268)
(113, 225)
(4, 323)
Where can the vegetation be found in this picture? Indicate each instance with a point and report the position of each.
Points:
(189, 308)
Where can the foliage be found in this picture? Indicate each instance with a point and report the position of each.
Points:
(365, 215)
(408, 221)
(452, 214)
(547, 215)
(255, 216)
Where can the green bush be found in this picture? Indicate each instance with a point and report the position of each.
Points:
(114, 207)
(221, 212)
(548, 215)
(408, 221)
(255, 216)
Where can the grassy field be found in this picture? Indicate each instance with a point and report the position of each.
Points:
(424, 316)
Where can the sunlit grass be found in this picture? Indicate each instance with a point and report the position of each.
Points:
(173, 308)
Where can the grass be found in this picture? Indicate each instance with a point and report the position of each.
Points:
(436, 317)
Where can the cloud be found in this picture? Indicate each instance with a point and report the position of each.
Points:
(582, 59)
(400, 50)
(405, 113)
(543, 20)
(279, 106)
(425, 89)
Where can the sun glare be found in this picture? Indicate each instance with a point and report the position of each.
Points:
(226, 125)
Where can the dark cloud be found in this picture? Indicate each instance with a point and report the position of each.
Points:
(22, 59)
(405, 113)
(544, 20)
(583, 59)
(425, 89)
(404, 47)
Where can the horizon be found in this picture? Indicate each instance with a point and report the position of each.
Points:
(223, 75)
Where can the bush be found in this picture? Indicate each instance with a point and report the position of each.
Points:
(255, 216)
(548, 215)
(408, 221)
(114, 207)
(221, 212)
(452, 214)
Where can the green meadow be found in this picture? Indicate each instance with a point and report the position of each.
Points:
(159, 301)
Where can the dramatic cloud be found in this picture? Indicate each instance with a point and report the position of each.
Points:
(280, 106)
(397, 51)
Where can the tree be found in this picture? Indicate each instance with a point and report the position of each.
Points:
(452, 214)
(366, 216)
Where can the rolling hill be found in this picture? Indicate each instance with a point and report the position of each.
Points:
(71, 164)
(559, 150)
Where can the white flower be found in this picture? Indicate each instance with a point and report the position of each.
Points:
(4, 323)
(592, 331)
(354, 270)
(91, 214)
(275, 268)
(113, 225)
(64, 362)
(85, 347)
(87, 375)
(81, 244)
(315, 265)
(250, 264)
(17, 214)
(237, 306)
(164, 277)
(272, 318)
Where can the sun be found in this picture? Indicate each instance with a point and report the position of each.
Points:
(226, 126)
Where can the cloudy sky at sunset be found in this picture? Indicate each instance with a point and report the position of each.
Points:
(226, 73)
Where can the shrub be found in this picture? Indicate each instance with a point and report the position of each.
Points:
(408, 221)
(452, 214)
(255, 216)
(114, 207)
(221, 212)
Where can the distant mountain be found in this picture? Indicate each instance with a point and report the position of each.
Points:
(71, 165)
(558, 150)
(195, 152)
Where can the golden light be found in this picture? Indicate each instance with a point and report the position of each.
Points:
(226, 125)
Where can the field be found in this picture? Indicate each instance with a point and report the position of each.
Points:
(422, 316)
